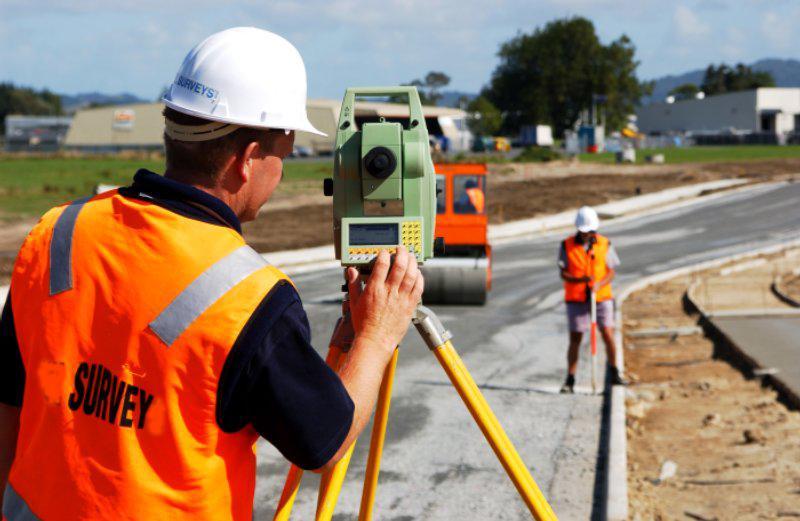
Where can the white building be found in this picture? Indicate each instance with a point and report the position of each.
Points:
(765, 110)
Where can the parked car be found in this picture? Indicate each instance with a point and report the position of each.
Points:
(301, 151)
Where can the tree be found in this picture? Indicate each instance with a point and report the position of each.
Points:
(554, 73)
(26, 101)
(685, 91)
(483, 119)
(721, 79)
(434, 81)
(428, 88)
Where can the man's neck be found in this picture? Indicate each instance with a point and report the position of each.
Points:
(210, 188)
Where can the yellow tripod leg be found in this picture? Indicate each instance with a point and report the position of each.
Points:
(494, 433)
(330, 485)
(376, 443)
(289, 494)
(295, 475)
(437, 339)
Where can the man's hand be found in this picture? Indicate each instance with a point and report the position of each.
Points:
(604, 281)
(382, 309)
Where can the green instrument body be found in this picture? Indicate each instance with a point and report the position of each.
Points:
(384, 186)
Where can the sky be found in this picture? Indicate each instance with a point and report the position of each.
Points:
(136, 47)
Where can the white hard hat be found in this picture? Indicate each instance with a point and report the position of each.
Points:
(587, 220)
(243, 76)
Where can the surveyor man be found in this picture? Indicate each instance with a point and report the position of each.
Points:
(587, 263)
(145, 347)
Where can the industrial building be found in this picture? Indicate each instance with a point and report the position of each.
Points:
(140, 127)
(113, 128)
(765, 111)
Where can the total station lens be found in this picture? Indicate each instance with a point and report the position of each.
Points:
(380, 162)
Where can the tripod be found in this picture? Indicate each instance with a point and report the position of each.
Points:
(437, 338)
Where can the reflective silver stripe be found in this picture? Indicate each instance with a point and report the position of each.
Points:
(61, 248)
(15, 508)
(204, 291)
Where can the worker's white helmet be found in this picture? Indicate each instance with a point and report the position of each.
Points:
(243, 76)
(587, 220)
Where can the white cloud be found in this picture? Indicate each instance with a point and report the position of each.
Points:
(688, 25)
(733, 46)
(779, 30)
(136, 46)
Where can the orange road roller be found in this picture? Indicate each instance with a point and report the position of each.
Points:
(463, 273)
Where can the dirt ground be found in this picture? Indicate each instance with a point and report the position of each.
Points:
(299, 215)
(791, 285)
(733, 448)
(517, 191)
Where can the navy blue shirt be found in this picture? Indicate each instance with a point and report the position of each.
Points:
(273, 379)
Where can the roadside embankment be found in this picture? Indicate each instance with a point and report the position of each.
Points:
(706, 438)
(786, 286)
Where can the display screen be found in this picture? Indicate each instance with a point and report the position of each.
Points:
(374, 234)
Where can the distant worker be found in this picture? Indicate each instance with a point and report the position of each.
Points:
(472, 200)
(145, 347)
(588, 262)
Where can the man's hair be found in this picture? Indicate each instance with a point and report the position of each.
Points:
(204, 160)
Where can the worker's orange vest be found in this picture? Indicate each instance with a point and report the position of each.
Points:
(581, 263)
(125, 313)
(476, 198)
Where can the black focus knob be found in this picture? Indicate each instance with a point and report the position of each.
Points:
(438, 246)
(380, 162)
(327, 186)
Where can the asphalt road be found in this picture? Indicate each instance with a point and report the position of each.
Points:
(436, 463)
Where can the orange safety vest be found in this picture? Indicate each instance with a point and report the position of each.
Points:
(125, 313)
(476, 198)
(581, 263)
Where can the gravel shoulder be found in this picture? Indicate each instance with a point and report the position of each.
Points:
(733, 447)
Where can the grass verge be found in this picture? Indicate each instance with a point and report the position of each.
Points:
(31, 185)
(704, 154)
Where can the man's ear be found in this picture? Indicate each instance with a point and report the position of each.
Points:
(245, 165)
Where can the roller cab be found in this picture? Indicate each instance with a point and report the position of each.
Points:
(462, 274)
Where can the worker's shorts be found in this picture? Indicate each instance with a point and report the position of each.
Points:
(579, 315)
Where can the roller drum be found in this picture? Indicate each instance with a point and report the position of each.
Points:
(456, 280)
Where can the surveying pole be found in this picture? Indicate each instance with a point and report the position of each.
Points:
(593, 339)
(593, 315)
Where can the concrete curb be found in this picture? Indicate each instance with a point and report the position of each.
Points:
(617, 460)
(738, 356)
(780, 291)
(612, 210)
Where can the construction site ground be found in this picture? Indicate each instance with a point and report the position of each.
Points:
(515, 191)
(733, 447)
(791, 285)
(436, 464)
